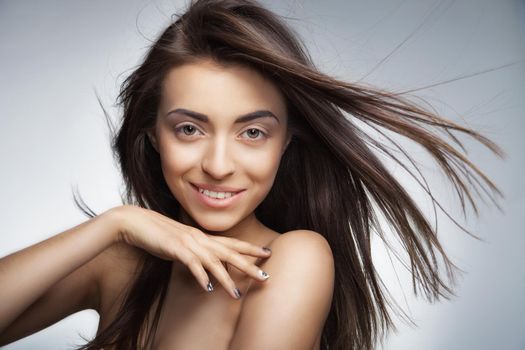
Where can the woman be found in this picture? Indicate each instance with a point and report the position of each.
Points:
(228, 104)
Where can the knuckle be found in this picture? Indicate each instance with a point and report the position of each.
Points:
(196, 236)
(215, 262)
(238, 258)
(187, 240)
(196, 233)
(198, 270)
(217, 267)
(192, 260)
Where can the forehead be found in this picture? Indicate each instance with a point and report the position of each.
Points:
(223, 91)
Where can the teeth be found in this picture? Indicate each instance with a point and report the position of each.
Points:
(216, 195)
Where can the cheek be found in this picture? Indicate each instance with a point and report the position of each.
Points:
(261, 166)
(176, 160)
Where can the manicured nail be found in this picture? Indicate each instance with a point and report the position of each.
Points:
(267, 250)
(263, 274)
(237, 293)
(209, 286)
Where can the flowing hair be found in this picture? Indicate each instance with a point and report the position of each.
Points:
(330, 180)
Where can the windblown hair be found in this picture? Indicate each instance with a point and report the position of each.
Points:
(330, 179)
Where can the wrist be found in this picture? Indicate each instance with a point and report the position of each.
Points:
(113, 219)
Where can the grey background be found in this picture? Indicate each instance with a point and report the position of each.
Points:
(55, 54)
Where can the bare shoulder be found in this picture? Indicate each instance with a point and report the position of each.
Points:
(296, 252)
(307, 237)
(294, 246)
(300, 287)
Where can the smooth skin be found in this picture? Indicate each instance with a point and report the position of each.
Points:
(90, 265)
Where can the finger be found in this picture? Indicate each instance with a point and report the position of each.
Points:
(217, 268)
(243, 247)
(235, 258)
(242, 264)
(196, 268)
(200, 273)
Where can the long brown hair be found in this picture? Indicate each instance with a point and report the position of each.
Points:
(330, 179)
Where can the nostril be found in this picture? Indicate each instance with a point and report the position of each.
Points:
(218, 170)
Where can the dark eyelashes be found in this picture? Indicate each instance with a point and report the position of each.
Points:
(181, 130)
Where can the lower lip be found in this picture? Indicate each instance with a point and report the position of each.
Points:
(217, 203)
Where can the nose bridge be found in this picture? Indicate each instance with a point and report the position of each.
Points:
(218, 160)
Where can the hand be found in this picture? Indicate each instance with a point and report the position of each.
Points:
(171, 240)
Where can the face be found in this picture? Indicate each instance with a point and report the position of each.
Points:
(220, 133)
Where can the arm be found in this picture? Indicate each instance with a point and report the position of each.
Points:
(289, 310)
(65, 273)
(35, 290)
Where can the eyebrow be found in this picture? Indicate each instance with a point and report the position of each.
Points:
(240, 119)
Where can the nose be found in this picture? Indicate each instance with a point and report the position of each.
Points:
(218, 162)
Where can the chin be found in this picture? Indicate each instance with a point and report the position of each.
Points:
(216, 224)
(215, 229)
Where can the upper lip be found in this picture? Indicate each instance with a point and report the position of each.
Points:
(216, 188)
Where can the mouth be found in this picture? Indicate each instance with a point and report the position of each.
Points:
(217, 199)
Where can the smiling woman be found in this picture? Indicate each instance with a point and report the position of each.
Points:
(220, 153)
(252, 192)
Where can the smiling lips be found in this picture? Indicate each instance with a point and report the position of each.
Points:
(217, 196)
(215, 188)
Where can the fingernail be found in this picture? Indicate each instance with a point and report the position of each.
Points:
(263, 274)
(267, 250)
(237, 293)
(209, 286)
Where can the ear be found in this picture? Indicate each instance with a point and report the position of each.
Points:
(153, 139)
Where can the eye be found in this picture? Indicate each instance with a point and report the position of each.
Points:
(186, 130)
(253, 134)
